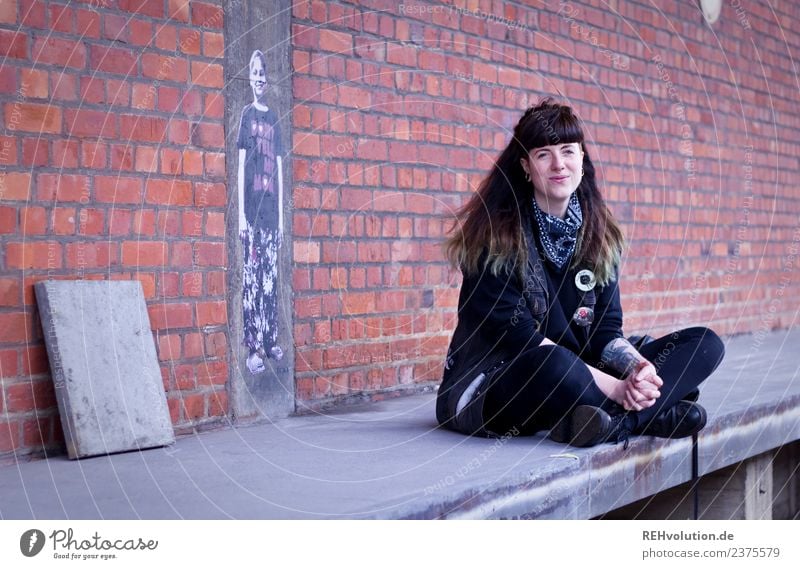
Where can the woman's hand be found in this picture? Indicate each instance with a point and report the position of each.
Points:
(640, 389)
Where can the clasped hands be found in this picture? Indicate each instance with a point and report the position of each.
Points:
(640, 388)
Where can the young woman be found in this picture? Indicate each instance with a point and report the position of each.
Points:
(260, 187)
(539, 341)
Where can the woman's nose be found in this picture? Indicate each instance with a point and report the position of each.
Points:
(557, 163)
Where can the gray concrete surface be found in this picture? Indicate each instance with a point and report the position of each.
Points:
(107, 379)
(389, 460)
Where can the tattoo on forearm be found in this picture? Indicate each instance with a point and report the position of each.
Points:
(621, 356)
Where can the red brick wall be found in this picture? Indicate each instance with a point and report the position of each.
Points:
(112, 165)
(401, 107)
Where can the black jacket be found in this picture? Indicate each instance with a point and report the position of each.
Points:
(499, 317)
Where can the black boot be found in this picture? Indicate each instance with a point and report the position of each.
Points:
(693, 395)
(587, 426)
(683, 419)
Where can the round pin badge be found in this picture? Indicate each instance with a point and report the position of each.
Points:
(585, 280)
(583, 316)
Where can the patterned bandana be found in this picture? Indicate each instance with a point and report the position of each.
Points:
(558, 236)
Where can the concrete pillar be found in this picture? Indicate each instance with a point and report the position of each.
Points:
(263, 25)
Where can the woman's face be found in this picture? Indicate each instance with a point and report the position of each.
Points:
(555, 173)
(258, 78)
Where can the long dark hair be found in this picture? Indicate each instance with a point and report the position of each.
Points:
(490, 222)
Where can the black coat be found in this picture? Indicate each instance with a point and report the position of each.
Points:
(499, 317)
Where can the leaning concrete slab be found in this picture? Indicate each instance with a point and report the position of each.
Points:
(103, 361)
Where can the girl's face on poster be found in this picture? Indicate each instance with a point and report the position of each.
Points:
(258, 79)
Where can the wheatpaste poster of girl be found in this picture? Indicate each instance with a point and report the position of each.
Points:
(260, 187)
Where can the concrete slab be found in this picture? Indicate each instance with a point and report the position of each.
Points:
(389, 460)
(107, 379)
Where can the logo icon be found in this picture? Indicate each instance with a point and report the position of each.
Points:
(31, 542)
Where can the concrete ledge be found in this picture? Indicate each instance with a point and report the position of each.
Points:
(389, 460)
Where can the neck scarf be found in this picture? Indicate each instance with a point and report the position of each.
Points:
(558, 236)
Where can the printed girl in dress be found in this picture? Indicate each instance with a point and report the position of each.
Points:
(260, 187)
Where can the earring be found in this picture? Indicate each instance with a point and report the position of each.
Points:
(527, 176)
(581, 171)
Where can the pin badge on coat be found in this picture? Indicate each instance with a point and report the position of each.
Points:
(585, 280)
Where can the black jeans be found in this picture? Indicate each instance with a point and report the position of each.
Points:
(544, 383)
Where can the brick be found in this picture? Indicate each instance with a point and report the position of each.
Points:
(144, 253)
(178, 10)
(178, 131)
(8, 151)
(192, 223)
(15, 186)
(215, 224)
(8, 367)
(210, 195)
(208, 135)
(62, 187)
(65, 154)
(169, 99)
(34, 255)
(184, 377)
(33, 220)
(168, 222)
(93, 90)
(171, 161)
(165, 68)
(93, 155)
(86, 123)
(189, 41)
(218, 404)
(209, 254)
(61, 19)
(14, 327)
(146, 159)
(119, 222)
(216, 345)
(167, 285)
(9, 436)
(211, 373)
(215, 164)
(211, 313)
(213, 45)
(35, 83)
(119, 92)
(33, 118)
(113, 60)
(170, 315)
(169, 347)
(13, 44)
(166, 37)
(142, 128)
(337, 42)
(193, 407)
(182, 255)
(32, 13)
(8, 79)
(64, 87)
(207, 15)
(92, 255)
(154, 8)
(216, 283)
(192, 162)
(8, 220)
(57, 51)
(168, 192)
(115, 27)
(118, 189)
(192, 284)
(87, 24)
(207, 74)
(192, 345)
(121, 157)
(10, 295)
(8, 12)
(192, 103)
(34, 360)
(36, 432)
(91, 222)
